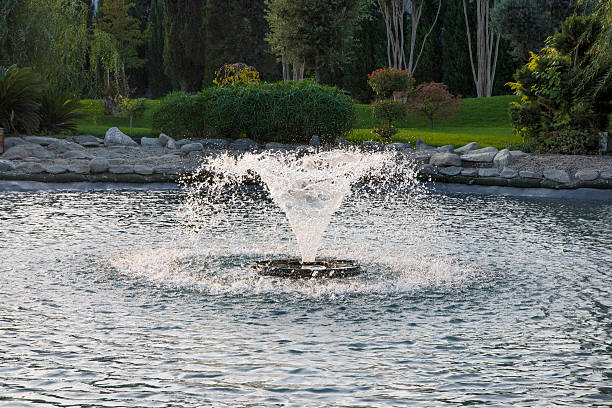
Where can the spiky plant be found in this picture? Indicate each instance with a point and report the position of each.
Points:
(20, 94)
(58, 112)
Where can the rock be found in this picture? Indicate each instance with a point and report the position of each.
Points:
(31, 159)
(451, 171)
(445, 149)
(164, 139)
(192, 147)
(315, 142)
(517, 153)
(245, 144)
(88, 140)
(503, 159)
(75, 154)
(166, 169)
(197, 154)
(445, 160)
(150, 142)
(12, 141)
(508, 172)
(171, 144)
(274, 146)
(558, 176)
(40, 140)
(586, 175)
(530, 174)
(121, 169)
(427, 169)
(421, 145)
(492, 172)
(144, 170)
(31, 168)
(116, 137)
(6, 165)
(470, 172)
(60, 146)
(79, 168)
(116, 162)
(606, 175)
(182, 142)
(55, 168)
(395, 146)
(99, 165)
(371, 145)
(467, 148)
(217, 144)
(24, 150)
(485, 155)
(343, 142)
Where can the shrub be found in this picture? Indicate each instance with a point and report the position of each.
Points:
(20, 98)
(433, 100)
(389, 111)
(230, 74)
(282, 111)
(58, 112)
(133, 108)
(385, 81)
(385, 132)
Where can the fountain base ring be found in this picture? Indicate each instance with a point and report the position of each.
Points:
(294, 268)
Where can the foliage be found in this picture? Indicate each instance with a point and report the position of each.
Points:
(184, 50)
(597, 75)
(230, 74)
(385, 81)
(282, 111)
(20, 95)
(133, 108)
(556, 104)
(433, 100)
(158, 80)
(385, 132)
(58, 111)
(389, 111)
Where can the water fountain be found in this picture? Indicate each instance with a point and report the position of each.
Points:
(309, 187)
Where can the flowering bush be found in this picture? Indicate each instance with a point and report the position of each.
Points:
(385, 81)
(230, 74)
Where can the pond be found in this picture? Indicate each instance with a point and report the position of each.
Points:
(118, 298)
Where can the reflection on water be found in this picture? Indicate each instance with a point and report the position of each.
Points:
(109, 299)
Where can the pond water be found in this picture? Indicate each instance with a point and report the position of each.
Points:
(118, 298)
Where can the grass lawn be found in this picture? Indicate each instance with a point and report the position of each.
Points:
(483, 120)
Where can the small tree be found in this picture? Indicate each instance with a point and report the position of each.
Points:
(230, 74)
(388, 111)
(433, 100)
(133, 108)
(386, 81)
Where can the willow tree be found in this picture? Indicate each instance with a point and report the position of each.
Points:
(487, 47)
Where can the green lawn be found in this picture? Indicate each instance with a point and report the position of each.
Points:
(483, 120)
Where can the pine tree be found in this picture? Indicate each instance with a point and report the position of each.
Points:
(159, 82)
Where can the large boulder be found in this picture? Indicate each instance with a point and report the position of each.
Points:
(491, 172)
(31, 168)
(421, 145)
(150, 142)
(606, 175)
(559, 176)
(6, 165)
(40, 140)
(12, 141)
(587, 175)
(99, 165)
(451, 171)
(467, 148)
(530, 174)
(485, 155)
(88, 140)
(192, 147)
(245, 144)
(445, 160)
(116, 137)
(445, 149)
(167, 141)
(509, 173)
(24, 150)
(60, 146)
(503, 158)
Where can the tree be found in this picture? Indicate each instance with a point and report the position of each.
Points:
(313, 33)
(159, 82)
(487, 48)
(184, 49)
(433, 101)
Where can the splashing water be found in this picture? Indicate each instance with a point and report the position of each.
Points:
(309, 187)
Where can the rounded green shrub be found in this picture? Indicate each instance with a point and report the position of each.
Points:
(389, 111)
(385, 81)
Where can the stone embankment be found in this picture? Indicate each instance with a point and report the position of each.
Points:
(118, 158)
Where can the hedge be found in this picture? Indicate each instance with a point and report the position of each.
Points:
(280, 112)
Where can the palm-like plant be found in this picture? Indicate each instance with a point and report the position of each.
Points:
(58, 111)
(20, 94)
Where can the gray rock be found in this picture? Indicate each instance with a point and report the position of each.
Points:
(421, 145)
(343, 142)
(88, 140)
(182, 142)
(40, 140)
(559, 176)
(76, 154)
(508, 172)
(116, 162)
(395, 146)
(60, 146)
(485, 155)
(166, 169)
(517, 153)
(315, 142)
(530, 174)
(451, 171)
(467, 148)
(31, 168)
(144, 170)
(121, 169)
(192, 147)
(116, 137)
(56, 168)
(245, 144)
(371, 145)
(99, 165)
(445, 160)
(445, 149)
(470, 172)
(164, 139)
(12, 141)
(171, 144)
(79, 168)
(218, 144)
(150, 142)
(503, 159)
(606, 175)
(197, 154)
(24, 150)
(6, 165)
(427, 169)
(586, 175)
(275, 146)
(492, 172)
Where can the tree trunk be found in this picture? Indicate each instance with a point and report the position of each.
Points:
(393, 13)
